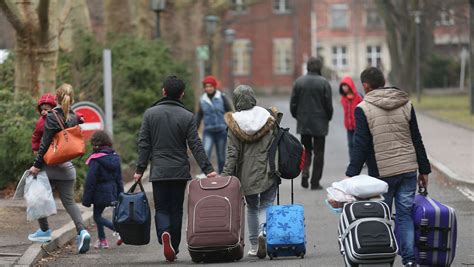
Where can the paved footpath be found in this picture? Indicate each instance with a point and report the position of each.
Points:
(321, 231)
(450, 145)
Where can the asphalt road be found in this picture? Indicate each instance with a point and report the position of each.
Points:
(321, 231)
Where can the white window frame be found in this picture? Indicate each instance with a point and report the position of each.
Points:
(373, 55)
(340, 8)
(283, 58)
(281, 6)
(370, 25)
(446, 18)
(337, 59)
(239, 6)
(241, 57)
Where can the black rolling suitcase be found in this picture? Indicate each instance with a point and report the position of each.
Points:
(365, 234)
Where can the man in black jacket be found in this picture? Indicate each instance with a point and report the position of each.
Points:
(167, 130)
(311, 105)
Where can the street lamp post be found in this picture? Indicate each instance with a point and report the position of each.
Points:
(211, 27)
(158, 6)
(250, 53)
(417, 15)
(229, 39)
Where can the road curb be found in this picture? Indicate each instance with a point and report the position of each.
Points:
(60, 237)
(447, 172)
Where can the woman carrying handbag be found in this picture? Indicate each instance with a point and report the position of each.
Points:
(61, 175)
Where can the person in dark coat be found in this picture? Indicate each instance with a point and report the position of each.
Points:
(311, 105)
(103, 183)
(167, 130)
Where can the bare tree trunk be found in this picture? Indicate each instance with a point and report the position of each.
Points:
(143, 19)
(78, 21)
(400, 27)
(117, 17)
(37, 26)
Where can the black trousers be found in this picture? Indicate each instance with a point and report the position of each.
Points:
(169, 198)
(313, 145)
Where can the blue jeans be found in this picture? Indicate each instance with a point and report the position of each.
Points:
(101, 221)
(257, 205)
(403, 187)
(350, 143)
(169, 197)
(209, 138)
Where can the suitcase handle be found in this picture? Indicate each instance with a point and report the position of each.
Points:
(132, 189)
(423, 191)
(278, 193)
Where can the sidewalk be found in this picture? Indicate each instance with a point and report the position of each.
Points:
(450, 148)
(16, 249)
(14, 228)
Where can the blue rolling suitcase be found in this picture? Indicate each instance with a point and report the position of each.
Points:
(285, 229)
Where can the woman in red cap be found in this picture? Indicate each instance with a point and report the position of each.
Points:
(212, 106)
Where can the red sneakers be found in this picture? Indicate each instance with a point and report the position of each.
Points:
(168, 250)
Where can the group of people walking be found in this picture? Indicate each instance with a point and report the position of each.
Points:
(382, 132)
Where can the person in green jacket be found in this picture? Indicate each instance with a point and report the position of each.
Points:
(250, 135)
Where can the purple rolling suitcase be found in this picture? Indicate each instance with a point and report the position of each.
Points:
(435, 231)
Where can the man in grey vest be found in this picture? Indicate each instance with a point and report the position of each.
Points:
(388, 139)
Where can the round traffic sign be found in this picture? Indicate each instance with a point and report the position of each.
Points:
(92, 115)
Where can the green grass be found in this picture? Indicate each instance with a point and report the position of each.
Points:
(453, 108)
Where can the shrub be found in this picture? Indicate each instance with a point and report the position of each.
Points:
(441, 72)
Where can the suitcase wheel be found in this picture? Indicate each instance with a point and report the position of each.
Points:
(270, 256)
(302, 255)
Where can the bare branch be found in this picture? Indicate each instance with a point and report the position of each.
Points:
(43, 15)
(12, 16)
(64, 15)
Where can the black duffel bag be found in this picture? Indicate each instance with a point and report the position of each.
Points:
(132, 217)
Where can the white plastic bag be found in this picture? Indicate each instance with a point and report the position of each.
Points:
(338, 195)
(39, 197)
(362, 186)
(20, 188)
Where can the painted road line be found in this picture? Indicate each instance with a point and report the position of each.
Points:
(466, 192)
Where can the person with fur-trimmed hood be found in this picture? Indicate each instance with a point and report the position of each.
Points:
(250, 135)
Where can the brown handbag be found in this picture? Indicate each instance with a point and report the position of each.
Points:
(66, 145)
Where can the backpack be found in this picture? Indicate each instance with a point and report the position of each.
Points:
(291, 155)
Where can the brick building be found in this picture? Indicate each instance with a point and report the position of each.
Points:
(350, 36)
(275, 37)
(272, 43)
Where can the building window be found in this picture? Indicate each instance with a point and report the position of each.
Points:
(374, 56)
(241, 57)
(339, 16)
(281, 6)
(239, 6)
(446, 18)
(372, 19)
(339, 57)
(282, 56)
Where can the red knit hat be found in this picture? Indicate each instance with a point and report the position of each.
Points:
(210, 80)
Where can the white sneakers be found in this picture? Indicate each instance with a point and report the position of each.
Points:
(259, 250)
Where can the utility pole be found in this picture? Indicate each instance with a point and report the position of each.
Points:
(417, 15)
(471, 57)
